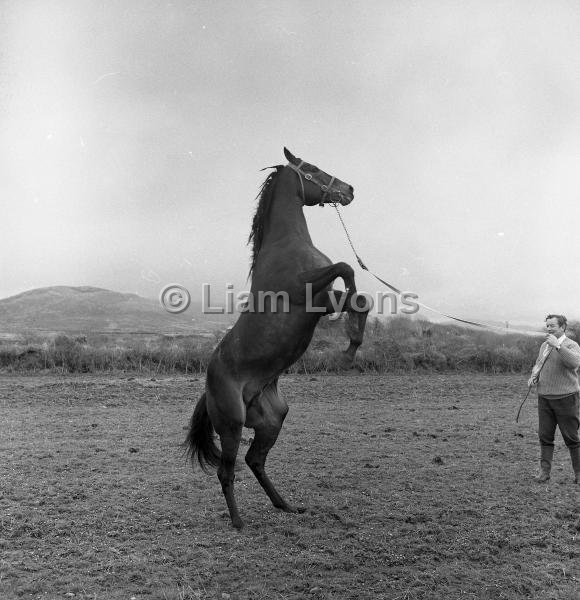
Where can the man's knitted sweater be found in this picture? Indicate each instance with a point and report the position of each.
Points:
(559, 376)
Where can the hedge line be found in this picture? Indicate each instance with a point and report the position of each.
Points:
(398, 344)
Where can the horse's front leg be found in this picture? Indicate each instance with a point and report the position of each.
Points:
(356, 307)
(313, 285)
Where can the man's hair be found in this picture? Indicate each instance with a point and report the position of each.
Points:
(562, 321)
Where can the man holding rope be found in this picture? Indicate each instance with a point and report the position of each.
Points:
(556, 375)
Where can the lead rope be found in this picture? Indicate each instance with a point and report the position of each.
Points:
(398, 291)
(392, 287)
(360, 262)
(530, 388)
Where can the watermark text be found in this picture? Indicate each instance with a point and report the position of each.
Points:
(176, 299)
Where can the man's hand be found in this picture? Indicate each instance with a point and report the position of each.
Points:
(532, 380)
(551, 340)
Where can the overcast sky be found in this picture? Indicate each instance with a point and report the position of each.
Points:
(132, 135)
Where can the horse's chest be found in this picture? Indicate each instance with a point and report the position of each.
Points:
(286, 269)
(312, 259)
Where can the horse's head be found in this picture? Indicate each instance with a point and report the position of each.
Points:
(317, 186)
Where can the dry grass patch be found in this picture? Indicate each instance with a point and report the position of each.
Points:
(415, 487)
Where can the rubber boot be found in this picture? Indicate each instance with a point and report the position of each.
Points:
(546, 454)
(575, 456)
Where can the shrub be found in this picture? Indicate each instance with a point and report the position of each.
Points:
(394, 344)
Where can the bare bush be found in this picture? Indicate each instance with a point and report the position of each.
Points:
(397, 344)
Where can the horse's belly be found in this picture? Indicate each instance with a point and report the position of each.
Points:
(268, 343)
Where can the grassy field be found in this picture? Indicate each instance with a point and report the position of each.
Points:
(415, 487)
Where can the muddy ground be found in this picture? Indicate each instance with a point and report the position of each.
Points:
(414, 486)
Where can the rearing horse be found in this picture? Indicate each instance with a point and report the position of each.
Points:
(293, 280)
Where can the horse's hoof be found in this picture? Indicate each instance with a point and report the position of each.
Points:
(237, 523)
(293, 509)
(346, 361)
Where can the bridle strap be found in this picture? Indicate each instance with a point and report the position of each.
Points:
(300, 174)
(326, 188)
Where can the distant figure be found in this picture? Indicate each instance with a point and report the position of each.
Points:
(556, 375)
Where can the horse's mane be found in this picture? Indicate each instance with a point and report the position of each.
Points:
(264, 196)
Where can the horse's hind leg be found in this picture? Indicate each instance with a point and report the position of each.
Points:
(228, 421)
(230, 443)
(265, 414)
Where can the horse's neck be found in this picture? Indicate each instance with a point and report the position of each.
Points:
(285, 216)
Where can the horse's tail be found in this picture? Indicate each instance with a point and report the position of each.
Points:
(200, 439)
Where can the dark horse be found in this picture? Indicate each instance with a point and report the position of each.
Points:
(290, 291)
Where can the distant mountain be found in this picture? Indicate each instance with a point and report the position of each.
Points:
(90, 309)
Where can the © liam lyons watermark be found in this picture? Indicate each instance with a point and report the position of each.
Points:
(176, 299)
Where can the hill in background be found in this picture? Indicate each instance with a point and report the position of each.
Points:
(82, 310)
(88, 329)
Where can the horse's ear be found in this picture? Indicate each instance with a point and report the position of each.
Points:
(291, 158)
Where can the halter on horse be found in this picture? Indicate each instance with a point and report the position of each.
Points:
(242, 375)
